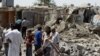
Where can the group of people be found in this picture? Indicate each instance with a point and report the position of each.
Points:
(12, 39)
(47, 40)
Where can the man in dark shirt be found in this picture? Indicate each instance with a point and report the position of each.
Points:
(18, 22)
(38, 39)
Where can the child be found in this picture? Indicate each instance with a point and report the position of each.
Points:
(28, 41)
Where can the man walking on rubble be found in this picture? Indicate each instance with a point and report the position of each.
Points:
(18, 22)
(88, 14)
(14, 38)
(6, 44)
(38, 39)
(46, 43)
(55, 40)
(24, 26)
(28, 41)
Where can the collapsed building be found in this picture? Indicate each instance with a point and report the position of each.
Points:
(76, 37)
(7, 16)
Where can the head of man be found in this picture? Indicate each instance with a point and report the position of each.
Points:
(14, 26)
(24, 18)
(39, 28)
(29, 32)
(53, 30)
(47, 30)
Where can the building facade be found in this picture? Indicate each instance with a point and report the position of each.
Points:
(7, 3)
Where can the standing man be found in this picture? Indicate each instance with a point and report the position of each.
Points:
(18, 22)
(46, 41)
(88, 14)
(28, 40)
(6, 44)
(55, 40)
(24, 26)
(14, 38)
(38, 39)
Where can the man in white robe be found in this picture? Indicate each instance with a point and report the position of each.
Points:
(14, 38)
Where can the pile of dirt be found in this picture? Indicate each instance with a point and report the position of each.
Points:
(77, 40)
(80, 41)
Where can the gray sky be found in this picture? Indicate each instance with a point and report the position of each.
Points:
(58, 2)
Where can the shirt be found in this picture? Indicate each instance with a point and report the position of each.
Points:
(55, 38)
(38, 38)
(18, 21)
(25, 23)
(5, 31)
(29, 40)
(46, 43)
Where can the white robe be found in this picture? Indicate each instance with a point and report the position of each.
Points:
(16, 40)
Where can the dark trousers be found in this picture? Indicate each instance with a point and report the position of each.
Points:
(47, 51)
(24, 31)
(0, 48)
(18, 26)
(6, 46)
(37, 48)
(20, 54)
(29, 50)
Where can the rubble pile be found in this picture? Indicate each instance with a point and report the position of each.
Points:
(79, 41)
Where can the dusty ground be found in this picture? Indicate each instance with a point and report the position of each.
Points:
(23, 50)
(76, 40)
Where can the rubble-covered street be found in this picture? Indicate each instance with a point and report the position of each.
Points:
(77, 27)
(80, 42)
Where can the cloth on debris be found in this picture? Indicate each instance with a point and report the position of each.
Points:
(96, 20)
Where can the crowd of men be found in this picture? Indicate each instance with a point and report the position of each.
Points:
(45, 41)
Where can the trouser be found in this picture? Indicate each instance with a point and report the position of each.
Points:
(47, 51)
(53, 51)
(18, 26)
(29, 51)
(24, 31)
(0, 43)
(20, 54)
(6, 46)
(37, 48)
(0, 48)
